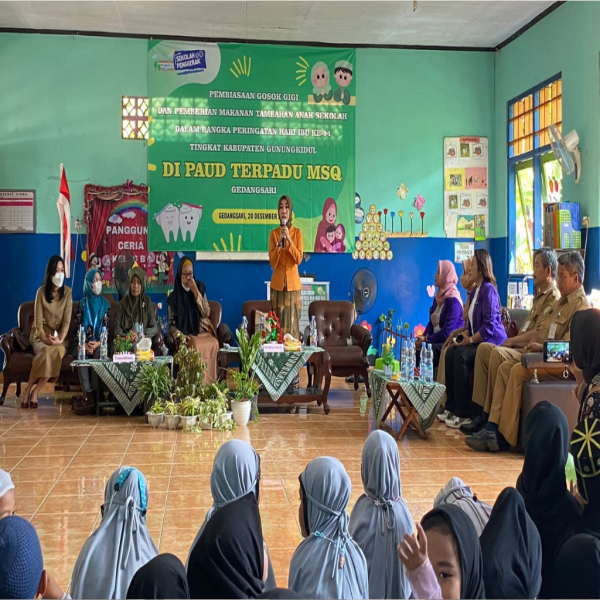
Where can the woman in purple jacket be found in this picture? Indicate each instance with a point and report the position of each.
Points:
(446, 312)
(484, 325)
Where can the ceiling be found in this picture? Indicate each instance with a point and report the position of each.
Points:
(475, 24)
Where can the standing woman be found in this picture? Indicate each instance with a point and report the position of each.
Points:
(189, 313)
(484, 324)
(92, 315)
(51, 321)
(286, 248)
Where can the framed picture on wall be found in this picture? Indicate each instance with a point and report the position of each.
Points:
(17, 211)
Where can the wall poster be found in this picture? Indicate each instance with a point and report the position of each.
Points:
(116, 219)
(232, 128)
(466, 187)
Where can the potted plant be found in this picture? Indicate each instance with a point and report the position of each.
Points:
(189, 412)
(156, 414)
(246, 386)
(154, 382)
(214, 409)
(172, 414)
(388, 356)
(190, 376)
(123, 348)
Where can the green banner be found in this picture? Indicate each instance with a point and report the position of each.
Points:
(232, 128)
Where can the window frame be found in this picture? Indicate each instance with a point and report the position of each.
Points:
(536, 156)
(137, 119)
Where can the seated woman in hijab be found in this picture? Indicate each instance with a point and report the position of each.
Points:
(446, 312)
(578, 569)
(48, 337)
(136, 308)
(328, 563)
(189, 313)
(92, 315)
(444, 560)
(229, 559)
(543, 484)
(585, 448)
(380, 519)
(585, 345)
(511, 549)
(235, 473)
(163, 577)
(112, 555)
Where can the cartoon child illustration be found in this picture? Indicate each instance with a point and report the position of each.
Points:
(320, 80)
(150, 260)
(343, 76)
(94, 261)
(163, 268)
(340, 239)
(106, 267)
(328, 220)
(328, 240)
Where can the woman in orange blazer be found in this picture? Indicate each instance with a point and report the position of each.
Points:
(286, 249)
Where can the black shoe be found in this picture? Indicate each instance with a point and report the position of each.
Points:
(477, 424)
(483, 441)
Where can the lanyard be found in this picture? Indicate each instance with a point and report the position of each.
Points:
(95, 320)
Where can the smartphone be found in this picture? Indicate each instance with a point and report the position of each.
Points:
(557, 352)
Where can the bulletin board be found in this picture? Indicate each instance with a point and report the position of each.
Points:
(466, 187)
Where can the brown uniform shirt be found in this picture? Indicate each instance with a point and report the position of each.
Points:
(542, 304)
(557, 323)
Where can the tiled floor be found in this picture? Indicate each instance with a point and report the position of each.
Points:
(60, 464)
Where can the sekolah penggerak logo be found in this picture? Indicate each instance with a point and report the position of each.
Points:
(189, 61)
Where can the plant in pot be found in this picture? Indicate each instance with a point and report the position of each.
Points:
(190, 376)
(214, 409)
(388, 356)
(172, 414)
(154, 383)
(156, 414)
(246, 386)
(189, 412)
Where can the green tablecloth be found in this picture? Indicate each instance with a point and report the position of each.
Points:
(276, 370)
(425, 397)
(122, 378)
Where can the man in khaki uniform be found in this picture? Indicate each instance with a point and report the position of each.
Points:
(502, 428)
(490, 357)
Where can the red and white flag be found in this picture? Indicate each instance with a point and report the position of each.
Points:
(64, 212)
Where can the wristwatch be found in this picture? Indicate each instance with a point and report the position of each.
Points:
(471, 341)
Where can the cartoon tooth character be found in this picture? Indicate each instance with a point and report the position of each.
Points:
(189, 218)
(168, 219)
(319, 76)
(343, 76)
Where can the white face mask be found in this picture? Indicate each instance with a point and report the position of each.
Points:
(97, 287)
(58, 279)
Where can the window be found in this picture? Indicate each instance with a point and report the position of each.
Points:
(534, 176)
(134, 120)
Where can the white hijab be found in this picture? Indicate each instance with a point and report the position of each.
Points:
(121, 545)
(328, 563)
(380, 519)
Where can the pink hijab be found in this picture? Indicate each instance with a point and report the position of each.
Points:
(447, 280)
(323, 225)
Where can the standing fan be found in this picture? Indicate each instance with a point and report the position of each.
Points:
(566, 151)
(123, 265)
(363, 291)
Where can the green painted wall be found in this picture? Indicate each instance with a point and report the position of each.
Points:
(566, 41)
(61, 99)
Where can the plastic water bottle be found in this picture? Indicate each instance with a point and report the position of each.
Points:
(103, 344)
(428, 375)
(245, 324)
(141, 332)
(404, 359)
(81, 348)
(313, 332)
(410, 371)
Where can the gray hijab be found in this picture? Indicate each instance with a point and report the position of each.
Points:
(380, 519)
(328, 563)
(235, 473)
(121, 545)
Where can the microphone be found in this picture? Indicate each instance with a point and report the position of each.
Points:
(283, 224)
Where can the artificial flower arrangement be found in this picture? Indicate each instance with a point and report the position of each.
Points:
(388, 351)
(123, 348)
(273, 332)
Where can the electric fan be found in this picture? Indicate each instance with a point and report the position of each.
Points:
(566, 151)
(363, 291)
